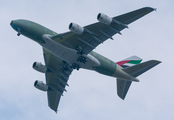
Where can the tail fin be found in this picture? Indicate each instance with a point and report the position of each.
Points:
(136, 70)
(128, 62)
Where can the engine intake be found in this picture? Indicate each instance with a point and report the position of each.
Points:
(104, 19)
(39, 67)
(40, 85)
(108, 20)
(75, 28)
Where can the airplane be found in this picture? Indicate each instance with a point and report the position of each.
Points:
(73, 50)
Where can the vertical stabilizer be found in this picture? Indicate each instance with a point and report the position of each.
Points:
(128, 62)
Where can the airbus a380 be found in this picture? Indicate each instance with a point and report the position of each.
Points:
(73, 50)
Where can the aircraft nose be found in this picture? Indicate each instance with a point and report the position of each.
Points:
(11, 23)
(15, 25)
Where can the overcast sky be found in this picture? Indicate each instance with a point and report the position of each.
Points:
(91, 96)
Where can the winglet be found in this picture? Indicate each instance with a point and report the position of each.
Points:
(150, 9)
(155, 9)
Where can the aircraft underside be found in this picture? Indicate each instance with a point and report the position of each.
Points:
(74, 57)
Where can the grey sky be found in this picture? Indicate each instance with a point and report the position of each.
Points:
(91, 95)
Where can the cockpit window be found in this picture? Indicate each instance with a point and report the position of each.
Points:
(11, 23)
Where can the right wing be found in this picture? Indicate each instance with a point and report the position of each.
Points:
(56, 78)
(99, 32)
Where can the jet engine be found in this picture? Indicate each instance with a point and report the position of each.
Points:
(39, 67)
(40, 85)
(104, 19)
(75, 28)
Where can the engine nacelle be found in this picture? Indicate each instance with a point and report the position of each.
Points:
(39, 67)
(104, 19)
(75, 28)
(40, 85)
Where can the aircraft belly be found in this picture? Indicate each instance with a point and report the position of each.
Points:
(107, 67)
(67, 54)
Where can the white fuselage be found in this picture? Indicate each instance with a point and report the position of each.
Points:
(67, 54)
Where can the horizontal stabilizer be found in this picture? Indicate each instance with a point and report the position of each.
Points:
(141, 68)
(123, 87)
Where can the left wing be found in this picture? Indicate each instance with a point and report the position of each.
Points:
(56, 78)
(98, 32)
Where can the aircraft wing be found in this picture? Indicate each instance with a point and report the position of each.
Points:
(56, 79)
(99, 32)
